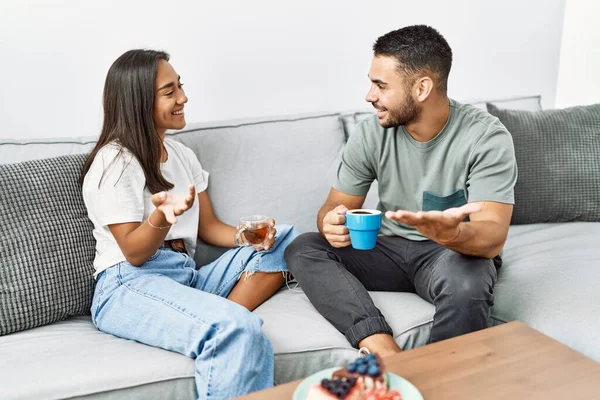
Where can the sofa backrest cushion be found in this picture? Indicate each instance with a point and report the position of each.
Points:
(278, 167)
(351, 119)
(525, 103)
(14, 151)
(558, 156)
(46, 244)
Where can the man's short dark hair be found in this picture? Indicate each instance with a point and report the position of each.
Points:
(418, 49)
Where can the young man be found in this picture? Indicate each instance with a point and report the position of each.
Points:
(446, 173)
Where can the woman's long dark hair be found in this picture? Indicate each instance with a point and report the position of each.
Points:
(128, 103)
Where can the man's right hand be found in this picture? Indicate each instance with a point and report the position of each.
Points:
(334, 229)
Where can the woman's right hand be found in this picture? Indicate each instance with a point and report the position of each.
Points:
(172, 205)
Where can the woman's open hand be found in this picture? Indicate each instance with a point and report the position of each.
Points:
(173, 205)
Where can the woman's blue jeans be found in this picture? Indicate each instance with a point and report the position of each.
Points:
(167, 303)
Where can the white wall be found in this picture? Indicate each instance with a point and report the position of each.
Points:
(579, 67)
(255, 58)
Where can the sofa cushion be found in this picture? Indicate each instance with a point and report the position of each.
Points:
(14, 151)
(558, 161)
(276, 167)
(549, 281)
(46, 244)
(351, 119)
(304, 342)
(72, 358)
(527, 103)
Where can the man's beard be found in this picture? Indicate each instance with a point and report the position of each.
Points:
(407, 113)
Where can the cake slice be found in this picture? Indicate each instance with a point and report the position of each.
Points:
(383, 394)
(369, 371)
(363, 379)
(336, 388)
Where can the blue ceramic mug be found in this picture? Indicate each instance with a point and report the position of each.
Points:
(363, 225)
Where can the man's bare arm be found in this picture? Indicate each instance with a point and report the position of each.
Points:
(335, 199)
(483, 236)
(486, 233)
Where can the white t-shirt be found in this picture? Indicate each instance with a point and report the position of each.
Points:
(114, 191)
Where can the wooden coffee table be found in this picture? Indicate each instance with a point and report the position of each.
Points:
(510, 361)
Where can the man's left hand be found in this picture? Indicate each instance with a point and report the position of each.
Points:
(442, 227)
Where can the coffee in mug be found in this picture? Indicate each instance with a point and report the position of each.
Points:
(363, 226)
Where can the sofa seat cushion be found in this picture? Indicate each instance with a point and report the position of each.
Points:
(72, 358)
(305, 342)
(550, 280)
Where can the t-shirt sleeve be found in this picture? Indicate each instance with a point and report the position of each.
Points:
(356, 171)
(493, 169)
(199, 175)
(119, 191)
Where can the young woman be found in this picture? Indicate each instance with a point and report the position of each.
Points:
(140, 191)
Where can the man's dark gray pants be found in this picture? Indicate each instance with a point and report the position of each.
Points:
(336, 281)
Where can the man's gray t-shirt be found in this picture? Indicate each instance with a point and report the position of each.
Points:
(471, 160)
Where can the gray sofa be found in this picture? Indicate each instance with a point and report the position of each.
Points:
(283, 167)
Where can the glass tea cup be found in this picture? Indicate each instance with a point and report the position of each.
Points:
(254, 230)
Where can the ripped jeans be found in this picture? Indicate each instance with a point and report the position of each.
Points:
(167, 303)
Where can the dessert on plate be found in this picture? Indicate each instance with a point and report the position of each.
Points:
(336, 388)
(363, 379)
